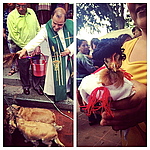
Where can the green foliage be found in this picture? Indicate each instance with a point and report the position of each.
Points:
(94, 15)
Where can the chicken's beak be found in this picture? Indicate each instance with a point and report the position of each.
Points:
(113, 65)
(113, 68)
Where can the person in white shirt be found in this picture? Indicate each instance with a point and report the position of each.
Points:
(58, 31)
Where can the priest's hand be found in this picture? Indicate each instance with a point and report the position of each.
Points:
(65, 52)
(128, 112)
(37, 51)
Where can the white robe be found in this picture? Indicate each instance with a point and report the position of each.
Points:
(45, 49)
(90, 82)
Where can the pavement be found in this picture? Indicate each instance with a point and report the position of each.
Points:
(95, 135)
(86, 136)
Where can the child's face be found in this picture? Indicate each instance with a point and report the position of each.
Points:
(138, 13)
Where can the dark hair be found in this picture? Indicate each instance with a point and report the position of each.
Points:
(106, 48)
(133, 30)
(79, 41)
(94, 41)
(70, 14)
(123, 37)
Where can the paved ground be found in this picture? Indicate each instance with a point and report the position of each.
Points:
(95, 135)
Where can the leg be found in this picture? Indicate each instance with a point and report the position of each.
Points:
(12, 71)
(36, 83)
(13, 49)
(24, 65)
(57, 141)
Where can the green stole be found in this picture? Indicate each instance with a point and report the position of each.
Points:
(59, 62)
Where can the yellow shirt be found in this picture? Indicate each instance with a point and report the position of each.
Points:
(22, 28)
(137, 134)
(138, 68)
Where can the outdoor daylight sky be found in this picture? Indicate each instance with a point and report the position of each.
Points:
(83, 34)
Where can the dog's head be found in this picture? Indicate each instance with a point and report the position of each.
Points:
(12, 112)
(13, 109)
(15, 106)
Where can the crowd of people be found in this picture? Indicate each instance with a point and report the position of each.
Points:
(24, 36)
(129, 113)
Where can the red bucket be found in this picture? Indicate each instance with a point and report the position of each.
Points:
(39, 66)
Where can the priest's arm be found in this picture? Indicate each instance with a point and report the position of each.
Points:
(30, 47)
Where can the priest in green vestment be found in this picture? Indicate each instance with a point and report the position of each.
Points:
(59, 33)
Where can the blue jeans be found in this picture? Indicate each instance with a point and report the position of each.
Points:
(13, 48)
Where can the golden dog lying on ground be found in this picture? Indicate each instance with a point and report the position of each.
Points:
(34, 123)
(34, 131)
(34, 114)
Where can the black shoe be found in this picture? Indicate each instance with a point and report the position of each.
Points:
(26, 91)
(39, 91)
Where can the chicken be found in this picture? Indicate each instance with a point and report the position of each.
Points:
(109, 50)
(112, 74)
(107, 83)
(114, 62)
